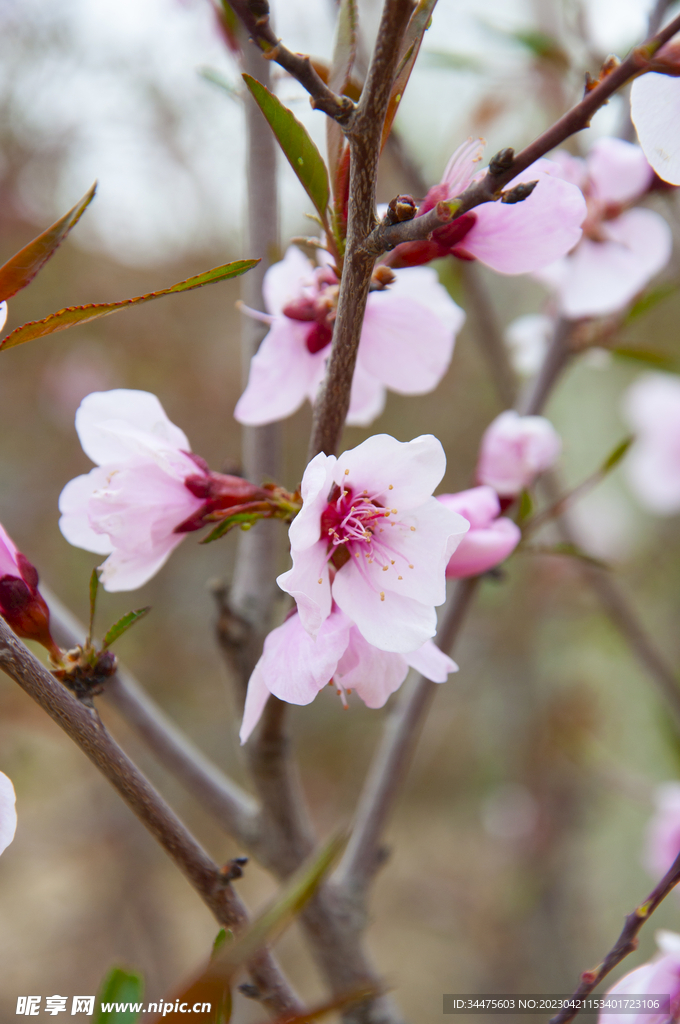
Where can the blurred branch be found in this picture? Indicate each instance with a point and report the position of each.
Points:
(86, 730)
(626, 943)
(656, 16)
(555, 362)
(488, 334)
(254, 16)
(233, 807)
(364, 134)
(391, 762)
(489, 188)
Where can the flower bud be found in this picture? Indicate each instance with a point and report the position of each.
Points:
(515, 450)
(21, 605)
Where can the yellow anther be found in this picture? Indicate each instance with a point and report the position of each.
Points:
(382, 595)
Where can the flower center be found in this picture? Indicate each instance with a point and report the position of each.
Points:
(317, 306)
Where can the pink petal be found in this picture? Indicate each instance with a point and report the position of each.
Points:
(257, 696)
(373, 673)
(603, 277)
(655, 110)
(284, 281)
(661, 976)
(75, 521)
(3, 314)
(125, 570)
(8, 814)
(662, 840)
(479, 505)
(295, 666)
(652, 407)
(309, 583)
(105, 421)
(481, 550)
(431, 662)
(367, 398)
(514, 450)
(618, 171)
(8, 554)
(398, 473)
(282, 374)
(517, 238)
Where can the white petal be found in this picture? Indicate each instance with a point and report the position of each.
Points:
(8, 813)
(257, 696)
(655, 110)
(102, 413)
(3, 314)
(129, 570)
(367, 398)
(284, 281)
(373, 673)
(295, 665)
(75, 522)
(618, 170)
(431, 662)
(308, 582)
(399, 473)
(282, 373)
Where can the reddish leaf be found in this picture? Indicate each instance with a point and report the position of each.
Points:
(417, 26)
(73, 315)
(22, 268)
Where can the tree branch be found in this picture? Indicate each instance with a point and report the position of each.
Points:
(255, 20)
(555, 362)
(392, 760)
(489, 336)
(489, 188)
(626, 943)
(235, 809)
(86, 730)
(364, 135)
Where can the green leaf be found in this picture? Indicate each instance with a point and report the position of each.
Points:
(73, 315)
(224, 935)
(657, 360)
(243, 519)
(300, 151)
(616, 455)
(526, 506)
(650, 299)
(122, 987)
(449, 60)
(217, 78)
(565, 548)
(413, 38)
(22, 268)
(94, 587)
(123, 625)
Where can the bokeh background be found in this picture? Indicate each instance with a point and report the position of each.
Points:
(516, 845)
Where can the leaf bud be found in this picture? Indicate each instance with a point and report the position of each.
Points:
(519, 193)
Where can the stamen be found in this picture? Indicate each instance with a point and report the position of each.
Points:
(382, 595)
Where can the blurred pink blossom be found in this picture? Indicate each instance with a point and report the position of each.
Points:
(662, 840)
(406, 344)
(515, 450)
(8, 813)
(621, 248)
(21, 604)
(146, 491)
(371, 537)
(491, 537)
(512, 238)
(655, 110)
(661, 976)
(652, 408)
(296, 666)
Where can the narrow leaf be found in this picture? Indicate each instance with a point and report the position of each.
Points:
(657, 360)
(357, 995)
(650, 299)
(413, 38)
(94, 587)
(214, 983)
(22, 268)
(570, 550)
(300, 151)
(243, 519)
(123, 625)
(344, 53)
(122, 987)
(73, 315)
(616, 455)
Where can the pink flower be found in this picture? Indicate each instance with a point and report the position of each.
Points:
(406, 342)
(371, 537)
(296, 666)
(512, 238)
(8, 814)
(652, 408)
(621, 249)
(21, 604)
(515, 450)
(662, 841)
(147, 491)
(661, 976)
(489, 540)
(655, 110)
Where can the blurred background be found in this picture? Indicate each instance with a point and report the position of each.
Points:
(516, 846)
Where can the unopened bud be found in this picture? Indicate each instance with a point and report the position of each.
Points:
(502, 161)
(382, 277)
(519, 193)
(400, 209)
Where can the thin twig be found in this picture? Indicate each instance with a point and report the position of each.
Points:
(626, 943)
(392, 759)
(489, 188)
(555, 362)
(86, 730)
(488, 335)
(364, 135)
(259, 28)
(235, 809)
(656, 16)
